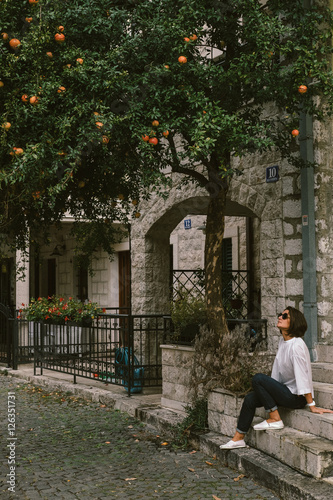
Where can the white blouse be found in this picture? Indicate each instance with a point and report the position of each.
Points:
(292, 366)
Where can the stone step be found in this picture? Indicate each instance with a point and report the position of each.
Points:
(300, 450)
(323, 394)
(322, 372)
(306, 421)
(324, 353)
(305, 444)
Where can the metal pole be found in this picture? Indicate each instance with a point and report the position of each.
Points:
(308, 233)
(308, 227)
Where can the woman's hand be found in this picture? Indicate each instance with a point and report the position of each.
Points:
(315, 409)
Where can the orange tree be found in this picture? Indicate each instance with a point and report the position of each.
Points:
(101, 98)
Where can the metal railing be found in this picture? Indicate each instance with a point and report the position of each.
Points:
(255, 329)
(118, 349)
(235, 286)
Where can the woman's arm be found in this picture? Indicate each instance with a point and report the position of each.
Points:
(313, 407)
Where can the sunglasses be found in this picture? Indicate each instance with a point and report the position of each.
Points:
(283, 316)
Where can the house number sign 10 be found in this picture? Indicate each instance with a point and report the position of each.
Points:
(272, 173)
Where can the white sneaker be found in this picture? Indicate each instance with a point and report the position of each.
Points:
(233, 444)
(264, 426)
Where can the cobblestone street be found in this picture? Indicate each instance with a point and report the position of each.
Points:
(66, 447)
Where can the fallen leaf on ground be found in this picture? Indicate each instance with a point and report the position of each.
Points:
(216, 498)
(164, 444)
(130, 479)
(209, 463)
(191, 452)
(107, 442)
(191, 470)
(239, 477)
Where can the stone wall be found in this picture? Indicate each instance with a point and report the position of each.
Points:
(275, 211)
(176, 374)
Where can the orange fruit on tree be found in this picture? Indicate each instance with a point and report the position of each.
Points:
(18, 151)
(295, 132)
(193, 37)
(6, 125)
(145, 138)
(61, 28)
(1, 84)
(166, 133)
(105, 139)
(99, 125)
(33, 100)
(167, 66)
(61, 89)
(28, 19)
(14, 43)
(25, 98)
(59, 37)
(4, 36)
(302, 89)
(186, 39)
(79, 60)
(33, 2)
(153, 140)
(155, 123)
(182, 59)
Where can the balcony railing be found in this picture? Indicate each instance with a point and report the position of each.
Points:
(235, 289)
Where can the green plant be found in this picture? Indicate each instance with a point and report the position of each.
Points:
(196, 420)
(188, 313)
(60, 310)
(228, 362)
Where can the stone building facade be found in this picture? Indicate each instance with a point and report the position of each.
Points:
(273, 249)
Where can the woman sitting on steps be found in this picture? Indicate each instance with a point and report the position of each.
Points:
(290, 384)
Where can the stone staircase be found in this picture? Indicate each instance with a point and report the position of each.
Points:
(306, 442)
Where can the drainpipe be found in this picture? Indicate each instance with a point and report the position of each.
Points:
(308, 228)
(308, 233)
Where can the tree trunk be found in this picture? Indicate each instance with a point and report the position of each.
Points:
(213, 263)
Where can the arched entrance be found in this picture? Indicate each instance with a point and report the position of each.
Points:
(150, 239)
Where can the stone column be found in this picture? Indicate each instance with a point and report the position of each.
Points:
(22, 283)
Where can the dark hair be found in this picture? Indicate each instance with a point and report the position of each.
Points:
(298, 324)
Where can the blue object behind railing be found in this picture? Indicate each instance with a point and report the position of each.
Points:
(122, 362)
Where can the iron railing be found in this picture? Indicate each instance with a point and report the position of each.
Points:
(235, 287)
(119, 349)
(255, 330)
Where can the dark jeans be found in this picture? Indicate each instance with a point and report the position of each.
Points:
(270, 394)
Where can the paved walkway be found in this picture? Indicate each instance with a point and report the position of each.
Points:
(66, 447)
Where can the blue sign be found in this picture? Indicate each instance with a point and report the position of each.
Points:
(272, 173)
(187, 223)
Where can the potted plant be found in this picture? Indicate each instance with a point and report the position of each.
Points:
(188, 314)
(59, 310)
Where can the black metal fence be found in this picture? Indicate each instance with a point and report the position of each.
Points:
(6, 335)
(119, 349)
(255, 330)
(235, 289)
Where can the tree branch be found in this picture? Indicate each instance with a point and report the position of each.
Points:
(178, 168)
